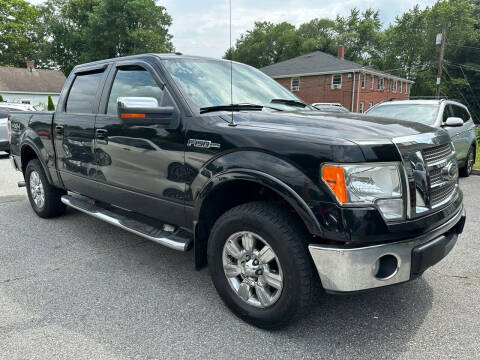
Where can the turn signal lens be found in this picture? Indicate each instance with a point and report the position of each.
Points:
(131, 115)
(334, 177)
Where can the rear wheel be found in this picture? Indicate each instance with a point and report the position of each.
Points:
(260, 265)
(44, 198)
(466, 170)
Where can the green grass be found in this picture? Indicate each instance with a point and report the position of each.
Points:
(476, 166)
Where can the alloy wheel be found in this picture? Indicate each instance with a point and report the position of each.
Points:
(252, 269)
(470, 161)
(36, 189)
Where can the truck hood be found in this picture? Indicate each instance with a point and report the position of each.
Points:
(350, 127)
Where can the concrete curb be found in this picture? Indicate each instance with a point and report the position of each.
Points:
(475, 172)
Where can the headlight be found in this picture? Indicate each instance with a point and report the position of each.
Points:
(374, 183)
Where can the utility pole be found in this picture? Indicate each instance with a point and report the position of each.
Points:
(440, 60)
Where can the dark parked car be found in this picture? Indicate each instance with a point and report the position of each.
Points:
(274, 197)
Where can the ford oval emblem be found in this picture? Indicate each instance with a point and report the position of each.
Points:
(450, 171)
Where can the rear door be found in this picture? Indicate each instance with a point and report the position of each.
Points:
(142, 166)
(74, 131)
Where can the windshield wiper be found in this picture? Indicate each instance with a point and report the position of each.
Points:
(231, 107)
(289, 102)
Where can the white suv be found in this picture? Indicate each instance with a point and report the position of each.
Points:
(448, 114)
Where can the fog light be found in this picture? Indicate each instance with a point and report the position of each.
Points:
(385, 267)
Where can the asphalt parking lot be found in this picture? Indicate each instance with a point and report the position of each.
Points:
(77, 288)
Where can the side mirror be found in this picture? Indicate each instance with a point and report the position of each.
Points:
(453, 122)
(144, 111)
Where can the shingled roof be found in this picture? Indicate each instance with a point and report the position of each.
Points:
(38, 80)
(317, 63)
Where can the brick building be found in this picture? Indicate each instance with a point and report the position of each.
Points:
(323, 78)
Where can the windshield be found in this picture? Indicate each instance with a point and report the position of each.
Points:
(425, 114)
(207, 83)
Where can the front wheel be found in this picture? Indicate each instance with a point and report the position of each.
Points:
(466, 170)
(260, 265)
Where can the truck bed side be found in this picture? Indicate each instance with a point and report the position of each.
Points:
(32, 135)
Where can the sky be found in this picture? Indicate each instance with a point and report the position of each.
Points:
(201, 27)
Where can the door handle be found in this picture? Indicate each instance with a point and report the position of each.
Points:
(59, 129)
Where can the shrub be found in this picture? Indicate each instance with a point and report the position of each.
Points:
(50, 106)
(1, 98)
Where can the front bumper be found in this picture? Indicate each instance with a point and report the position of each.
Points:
(345, 269)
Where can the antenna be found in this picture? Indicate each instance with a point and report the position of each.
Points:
(232, 123)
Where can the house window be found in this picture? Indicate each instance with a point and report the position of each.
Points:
(337, 81)
(295, 84)
(389, 82)
(370, 104)
(401, 87)
(364, 80)
(394, 88)
(25, 101)
(380, 83)
(362, 107)
(372, 82)
(406, 88)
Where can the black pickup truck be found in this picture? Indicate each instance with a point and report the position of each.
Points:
(276, 197)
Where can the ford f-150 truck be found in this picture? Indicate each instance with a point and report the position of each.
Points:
(274, 196)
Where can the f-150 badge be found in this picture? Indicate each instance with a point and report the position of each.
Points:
(204, 144)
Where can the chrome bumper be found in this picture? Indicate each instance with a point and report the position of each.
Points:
(344, 269)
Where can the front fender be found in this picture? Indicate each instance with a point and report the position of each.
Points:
(279, 175)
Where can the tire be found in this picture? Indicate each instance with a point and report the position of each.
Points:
(273, 226)
(466, 170)
(38, 185)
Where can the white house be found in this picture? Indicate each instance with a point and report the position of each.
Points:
(29, 85)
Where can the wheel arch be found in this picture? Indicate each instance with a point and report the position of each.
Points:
(229, 189)
(29, 152)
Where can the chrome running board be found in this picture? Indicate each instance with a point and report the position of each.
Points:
(155, 234)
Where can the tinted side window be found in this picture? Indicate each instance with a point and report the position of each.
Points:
(133, 81)
(460, 112)
(83, 92)
(466, 115)
(3, 114)
(447, 112)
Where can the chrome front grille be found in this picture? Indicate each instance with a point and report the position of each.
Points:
(437, 153)
(441, 188)
(441, 193)
(430, 169)
(435, 176)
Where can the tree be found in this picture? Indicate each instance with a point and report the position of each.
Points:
(50, 106)
(409, 50)
(20, 38)
(88, 30)
(1, 98)
(266, 44)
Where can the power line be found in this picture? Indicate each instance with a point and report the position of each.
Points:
(464, 46)
(473, 68)
(473, 93)
(459, 91)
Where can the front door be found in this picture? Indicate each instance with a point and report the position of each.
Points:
(462, 141)
(140, 163)
(74, 130)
